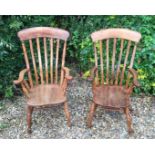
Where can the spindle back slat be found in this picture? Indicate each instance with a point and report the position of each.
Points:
(46, 59)
(34, 62)
(44, 51)
(51, 59)
(96, 60)
(101, 62)
(107, 60)
(113, 60)
(57, 60)
(120, 47)
(40, 61)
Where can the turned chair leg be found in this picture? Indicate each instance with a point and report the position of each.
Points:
(67, 113)
(29, 118)
(91, 114)
(129, 120)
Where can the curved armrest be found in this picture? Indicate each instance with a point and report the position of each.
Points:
(21, 76)
(135, 77)
(67, 73)
(93, 71)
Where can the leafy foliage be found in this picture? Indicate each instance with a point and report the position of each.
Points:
(80, 50)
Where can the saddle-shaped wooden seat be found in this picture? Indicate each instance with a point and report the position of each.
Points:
(111, 96)
(44, 95)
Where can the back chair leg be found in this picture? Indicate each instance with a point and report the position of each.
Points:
(129, 119)
(91, 114)
(67, 113)
(29, 118)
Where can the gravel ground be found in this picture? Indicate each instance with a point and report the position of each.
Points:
(51, 123)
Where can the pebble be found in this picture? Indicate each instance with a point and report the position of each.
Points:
(51, 122)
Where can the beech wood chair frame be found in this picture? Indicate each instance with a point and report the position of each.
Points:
(111, 88)
(49, 79)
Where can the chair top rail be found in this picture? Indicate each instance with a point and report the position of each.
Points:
(116, 33)
(36, 32)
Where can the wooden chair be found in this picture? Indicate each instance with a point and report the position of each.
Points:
(46, 84)
(113, 76)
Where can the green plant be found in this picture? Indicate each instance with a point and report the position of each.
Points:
(3, 126)
(80, 48)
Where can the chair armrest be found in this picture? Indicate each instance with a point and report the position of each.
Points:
(67, 73)
(135, 77)
(93, 71)
(21, 76)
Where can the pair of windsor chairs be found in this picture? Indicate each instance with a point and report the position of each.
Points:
(112, 82)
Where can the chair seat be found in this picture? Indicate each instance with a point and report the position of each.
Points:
(111, 96)
(43, 95)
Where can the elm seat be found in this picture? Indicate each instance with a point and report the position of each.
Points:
(48, 94)
(111, 96)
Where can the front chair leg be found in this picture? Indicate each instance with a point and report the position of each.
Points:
(129, 119)
(91, 114)
(29, 118)
(67, 113)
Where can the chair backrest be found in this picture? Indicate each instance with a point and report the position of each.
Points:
(114, 51)
(44, 49)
